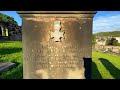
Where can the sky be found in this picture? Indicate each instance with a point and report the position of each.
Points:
(103, 21)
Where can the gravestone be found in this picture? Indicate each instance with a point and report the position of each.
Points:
(55, 43)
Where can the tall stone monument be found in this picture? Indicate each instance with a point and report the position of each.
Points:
(55, 43)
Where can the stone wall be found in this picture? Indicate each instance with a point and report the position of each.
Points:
(15, 33)
(114, 49)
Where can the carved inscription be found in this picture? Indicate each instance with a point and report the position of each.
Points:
(49, 56)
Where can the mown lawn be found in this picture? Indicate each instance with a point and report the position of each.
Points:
(104, 66)
(12, 51)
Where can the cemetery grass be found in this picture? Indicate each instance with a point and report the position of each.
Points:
(104, 66)
(11, 51)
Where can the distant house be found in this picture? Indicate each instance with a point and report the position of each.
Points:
(100, 40)
(118, 39)
(101, 43)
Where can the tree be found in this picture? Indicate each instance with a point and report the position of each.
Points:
(112, 41)
(108, 42)
(115, 42)
(3, 18)
(93, 39)
(7, 19)
(11, 20)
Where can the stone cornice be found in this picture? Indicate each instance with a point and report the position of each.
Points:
(81, 14)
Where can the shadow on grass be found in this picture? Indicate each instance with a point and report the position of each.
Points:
(91, 70)
(115, 72)
(9, 50)
(5, 41)
(95, 73)
(8, 40)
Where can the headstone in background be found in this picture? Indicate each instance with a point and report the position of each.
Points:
(5, 66)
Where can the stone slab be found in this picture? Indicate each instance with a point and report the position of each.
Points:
(5, 66)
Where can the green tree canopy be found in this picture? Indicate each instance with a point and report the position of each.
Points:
(112, 41)
(7, 19)
(2, 18)
(93, 39)
(112, 34)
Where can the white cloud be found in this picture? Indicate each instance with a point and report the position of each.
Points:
(106, 23)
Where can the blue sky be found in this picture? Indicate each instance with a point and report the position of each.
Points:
(103, 21)
(106, 21)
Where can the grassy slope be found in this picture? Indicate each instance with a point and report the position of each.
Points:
(105, 66)
(11, 51)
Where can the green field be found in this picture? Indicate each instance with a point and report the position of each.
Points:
(12, 51)
(104, 66)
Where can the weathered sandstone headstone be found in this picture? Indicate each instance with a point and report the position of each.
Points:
(55, 42)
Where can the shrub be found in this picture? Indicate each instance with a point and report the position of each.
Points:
(113, 42)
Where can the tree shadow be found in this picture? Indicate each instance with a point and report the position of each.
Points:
(8, 41)
(9, 50)
(115, 72)
(95, 73)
